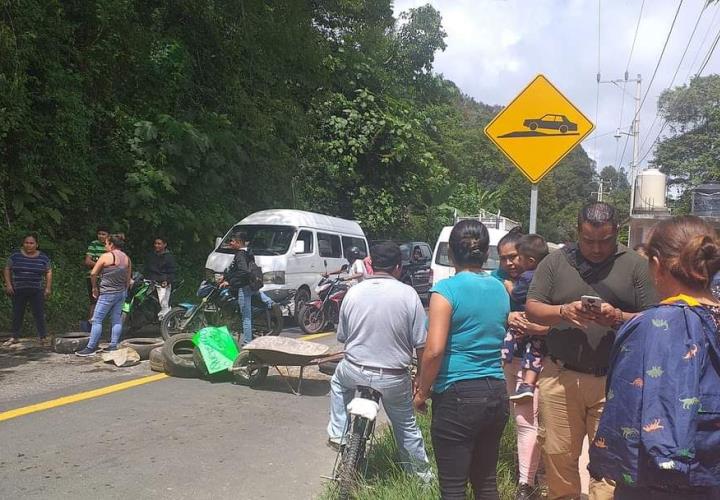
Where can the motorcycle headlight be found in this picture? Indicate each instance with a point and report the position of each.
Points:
(274, 277)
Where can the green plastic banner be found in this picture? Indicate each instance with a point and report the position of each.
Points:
(217, 347)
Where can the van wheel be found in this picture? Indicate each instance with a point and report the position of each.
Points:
(301, 297)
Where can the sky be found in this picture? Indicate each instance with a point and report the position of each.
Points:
(496, 47)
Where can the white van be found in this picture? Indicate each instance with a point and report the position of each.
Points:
(441, 265)
(293, 248)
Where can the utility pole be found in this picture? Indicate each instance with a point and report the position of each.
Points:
(634, 131)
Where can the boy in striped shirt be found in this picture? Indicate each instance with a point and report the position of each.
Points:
(95, 249)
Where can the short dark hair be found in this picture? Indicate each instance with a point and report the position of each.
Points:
(469, 243)
(385, 256)
(598, 213)
(533, 246)
(161, 238)
(30, 234)
(104, 228)
(512, 237)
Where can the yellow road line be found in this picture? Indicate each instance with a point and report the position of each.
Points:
(316, 336)
(81, 396)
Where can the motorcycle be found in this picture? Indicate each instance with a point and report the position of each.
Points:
(219, 306)
(317, 314)
(142, 305)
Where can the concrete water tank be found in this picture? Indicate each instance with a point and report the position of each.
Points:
(706, 200)
(650, 191)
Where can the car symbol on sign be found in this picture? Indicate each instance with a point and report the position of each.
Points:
(554, 122)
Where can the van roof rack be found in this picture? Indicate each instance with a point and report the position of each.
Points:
(491, 220)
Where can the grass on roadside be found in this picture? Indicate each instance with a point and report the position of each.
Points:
(385, 479)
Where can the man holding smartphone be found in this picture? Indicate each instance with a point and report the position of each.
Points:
(584, 292)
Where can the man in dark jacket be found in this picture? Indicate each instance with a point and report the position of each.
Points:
(160, 268)
(237, 277)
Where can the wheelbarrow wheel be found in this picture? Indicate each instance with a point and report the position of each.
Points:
(246, 370)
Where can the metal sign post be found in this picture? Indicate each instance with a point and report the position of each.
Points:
(533, 208)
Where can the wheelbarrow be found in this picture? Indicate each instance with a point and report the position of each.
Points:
(255, 359)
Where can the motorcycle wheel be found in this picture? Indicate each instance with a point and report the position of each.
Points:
(171, 323)
(312, 320)
(301, 298)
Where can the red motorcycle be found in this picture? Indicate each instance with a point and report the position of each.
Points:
(317, 314)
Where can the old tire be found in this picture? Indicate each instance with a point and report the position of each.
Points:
(350, 466)
(68, 343)
(157, 360)
(143, 346)
(246, 372)
(178, 356)
(199, 362)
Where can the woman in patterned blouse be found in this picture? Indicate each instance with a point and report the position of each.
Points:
(659, 435)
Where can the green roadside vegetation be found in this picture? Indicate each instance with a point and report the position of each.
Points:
(181, 118)
(385, 480)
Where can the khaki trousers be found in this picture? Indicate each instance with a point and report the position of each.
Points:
(570, 407)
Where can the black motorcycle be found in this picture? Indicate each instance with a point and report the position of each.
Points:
(142, 305)
(219, 306)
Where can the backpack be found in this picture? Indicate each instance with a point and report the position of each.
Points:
(256, 276)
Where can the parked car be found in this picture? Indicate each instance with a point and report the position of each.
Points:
(442, 267)
(416, 271)
(552, 122)
(294, 248)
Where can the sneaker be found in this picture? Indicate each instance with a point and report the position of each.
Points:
(335, 443)
(110, 348)
(10, 342)
(88, 351)
(525, 492)
(524, 391)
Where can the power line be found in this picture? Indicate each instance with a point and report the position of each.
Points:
(706, 59)
(702, 43)
(597, 91)
(657, 66)
(627, 68)
(677, 69)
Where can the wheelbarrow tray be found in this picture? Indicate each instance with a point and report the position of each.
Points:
(282, 351)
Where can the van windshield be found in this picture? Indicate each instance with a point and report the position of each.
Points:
(442, 258)
(264, 240)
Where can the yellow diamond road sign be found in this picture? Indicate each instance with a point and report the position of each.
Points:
(538, 128)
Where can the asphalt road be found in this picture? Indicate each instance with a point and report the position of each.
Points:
(170, 438)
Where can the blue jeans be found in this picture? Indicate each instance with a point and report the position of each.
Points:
(245, 296)
(107, 303)
(396, 400)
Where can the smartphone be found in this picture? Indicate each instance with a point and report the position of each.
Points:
(591, 303)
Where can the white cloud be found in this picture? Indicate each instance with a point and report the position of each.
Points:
(496, 47)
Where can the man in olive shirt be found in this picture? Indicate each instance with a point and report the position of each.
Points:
(572, 383)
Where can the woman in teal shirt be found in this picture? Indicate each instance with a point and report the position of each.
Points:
(461, 365)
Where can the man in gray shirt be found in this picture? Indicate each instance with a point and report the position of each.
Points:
(381, 322)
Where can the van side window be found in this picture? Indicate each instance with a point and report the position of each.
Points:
(329, 245)
(307, 238)
(349, 241)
